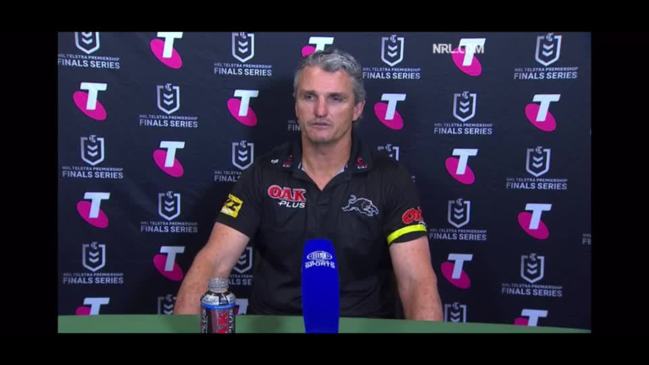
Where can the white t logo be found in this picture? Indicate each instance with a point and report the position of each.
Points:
(545, 100)
(171, 252)
(534, 315)
(93, 88)
(96, 199)
(392, 100)
(95, 304)
(470, 45)
(537, 210)
(459, 259)
(321, 42)
(169, 42)
(245, 96)
(171, 147)
(464, 154)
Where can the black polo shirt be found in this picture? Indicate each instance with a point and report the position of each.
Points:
(370, 205)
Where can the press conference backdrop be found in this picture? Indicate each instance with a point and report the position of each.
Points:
(495, 129)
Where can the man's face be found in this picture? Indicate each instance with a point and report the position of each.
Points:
(324, 105)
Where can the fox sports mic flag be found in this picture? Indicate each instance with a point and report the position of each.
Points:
(320, 287)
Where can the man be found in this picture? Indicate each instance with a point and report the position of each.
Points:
(324, 185)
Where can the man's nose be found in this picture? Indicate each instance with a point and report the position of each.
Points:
(321, 108)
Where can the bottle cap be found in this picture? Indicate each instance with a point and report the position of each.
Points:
(218, 284)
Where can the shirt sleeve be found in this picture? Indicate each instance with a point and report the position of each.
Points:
(404, 219)
(242, 207)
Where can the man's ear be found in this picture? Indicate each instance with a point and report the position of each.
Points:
(358, 110)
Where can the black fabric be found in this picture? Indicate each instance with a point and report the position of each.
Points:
(376, 191)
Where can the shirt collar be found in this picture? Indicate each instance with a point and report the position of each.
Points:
(360, 158)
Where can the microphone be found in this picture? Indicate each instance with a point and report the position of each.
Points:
(320, 287)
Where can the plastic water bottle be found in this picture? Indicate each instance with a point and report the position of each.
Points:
(218, 307)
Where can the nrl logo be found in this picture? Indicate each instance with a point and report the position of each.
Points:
(548, 49)
(169, 205)
(166, 304)
(92, 150)
(464, 105)
(455, 312)
(245, 261)
(93, 256)
(168, 98)
(459, 212)
(243, 154)
(538, 161)
(88, 42)
(392, 50)
(532, 267)
(243, 46)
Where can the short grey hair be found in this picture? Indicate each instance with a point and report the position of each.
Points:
(332, 60)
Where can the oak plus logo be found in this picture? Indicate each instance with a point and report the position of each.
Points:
(458, 168)
(243, 154)
(164, 108)
(458, 217)
(531, 223)
(537, 166)
(163, 49)
(93, 154)
(91, 211)
(465, 56)
(287, 196)
(242, 270)
(391, 51)
(165, 158)
(545, 63)
(390, 149)
(166, 304)
(86, 100)
(243, 50)
(453, 270)
(83, 51)
(316, 43)
(464, 109)
(387, 113)
(166, 264)
(455, 312)
(91, 306)
(539, 115)
(94, 260)
(532, 281)
(169, 208)
(239, 107)
(530, 317)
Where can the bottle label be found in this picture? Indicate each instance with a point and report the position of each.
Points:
(217, 319)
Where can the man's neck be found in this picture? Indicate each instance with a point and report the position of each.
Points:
(324, 161)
